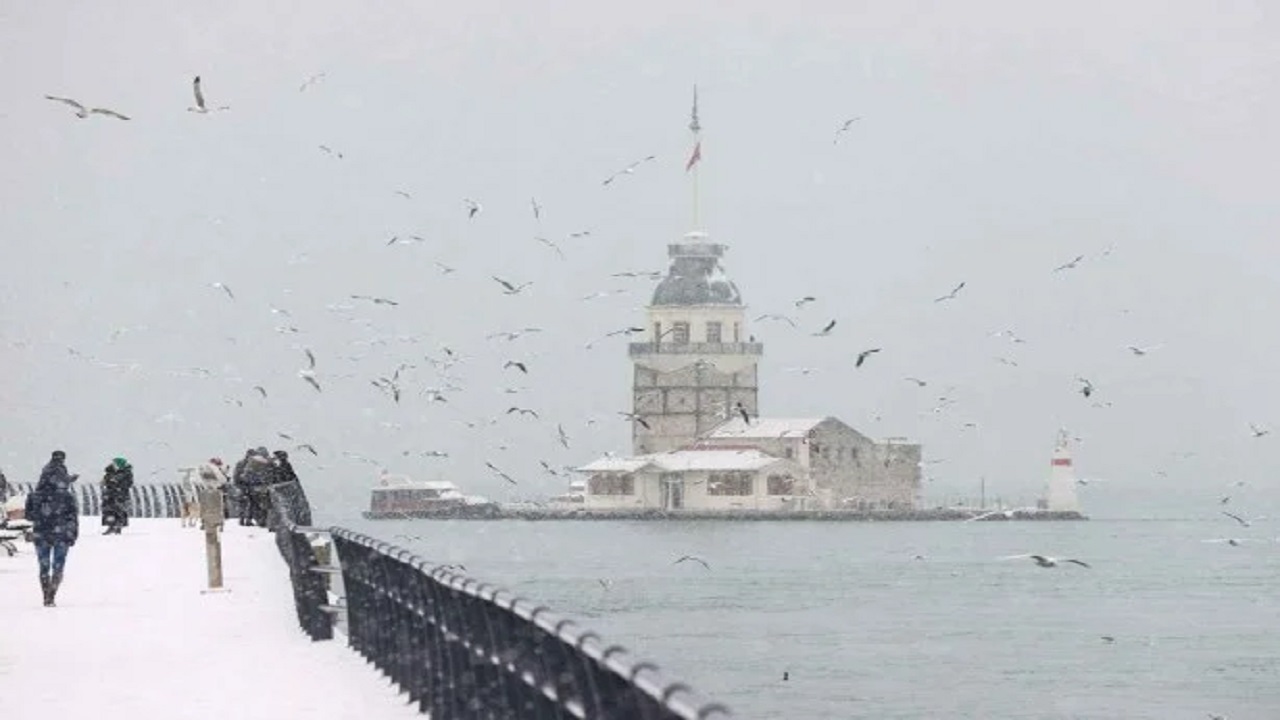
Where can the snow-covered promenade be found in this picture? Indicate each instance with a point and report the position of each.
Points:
(134, 636)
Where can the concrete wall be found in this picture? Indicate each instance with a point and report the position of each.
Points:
(860, 472)
(684, 404)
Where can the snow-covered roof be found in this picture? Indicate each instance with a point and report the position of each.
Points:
(404, 482)
(683, 460)
(766, 428)
(616, 464)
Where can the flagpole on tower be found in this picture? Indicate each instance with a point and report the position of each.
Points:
(696, 128)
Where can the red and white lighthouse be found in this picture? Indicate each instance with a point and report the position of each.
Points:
(1060, 491)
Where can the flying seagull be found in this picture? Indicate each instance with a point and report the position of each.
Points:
(561, 436)
(551, 245)
(308, 447)
(917, 381)
(262, 390)
(512, 334)
(636, 418)
(509, 288)
(522, 411)
(628, 169)
(1242, 521)
(499, 473)
(537, 209)
(473, 208)
(804, 301)
(200, 106)
(951, 295)
(517, 365)
(375, 300)
(311, 358)
(826, 330)
(845, 128)
(692, 558)
(1140, 351)
(862, 356)
(1257, 431)
(311, 81)
(224, 289)
(1045, 561)
(1086, 387)
(82, 112)
(310, 378)
(1070, 265)
(783, 318)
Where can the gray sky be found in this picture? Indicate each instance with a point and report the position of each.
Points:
(997, 141)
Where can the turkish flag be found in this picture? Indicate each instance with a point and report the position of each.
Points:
(695, 157)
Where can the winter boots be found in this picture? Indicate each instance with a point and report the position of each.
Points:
(49, 586)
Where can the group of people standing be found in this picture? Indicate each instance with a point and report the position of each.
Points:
(55, 520)
(252, 479)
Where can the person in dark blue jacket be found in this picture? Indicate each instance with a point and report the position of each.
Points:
(51, 508)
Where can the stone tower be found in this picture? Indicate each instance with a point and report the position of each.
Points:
(697, 362)
(1060, 491)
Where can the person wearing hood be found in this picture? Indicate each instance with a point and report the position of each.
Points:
(55, 522)
(117, 481)
(290, 490)
(258, 474)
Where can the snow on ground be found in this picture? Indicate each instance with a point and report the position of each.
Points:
(133, 636)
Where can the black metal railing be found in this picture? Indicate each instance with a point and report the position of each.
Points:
(464, 649)
(158, 500)
(288, 514)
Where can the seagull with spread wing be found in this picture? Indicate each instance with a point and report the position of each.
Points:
(692, 558)
(1070, 265)
(200, 107)
(509, 288)
(1045, 561)
(862, 356)
(83, 112)
(951, 295)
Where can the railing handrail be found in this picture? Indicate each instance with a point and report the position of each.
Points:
(405, 614)
(677, 697)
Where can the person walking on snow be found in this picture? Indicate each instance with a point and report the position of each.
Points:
(51, 508)
(117, 481)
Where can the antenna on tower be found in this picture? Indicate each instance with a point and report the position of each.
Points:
(695, 127)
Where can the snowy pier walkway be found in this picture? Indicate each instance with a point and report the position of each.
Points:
(134, 636)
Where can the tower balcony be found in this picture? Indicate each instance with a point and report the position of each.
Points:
(670, 348)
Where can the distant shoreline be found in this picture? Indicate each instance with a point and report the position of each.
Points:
(542, 514)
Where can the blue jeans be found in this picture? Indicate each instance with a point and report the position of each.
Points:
(51, 554)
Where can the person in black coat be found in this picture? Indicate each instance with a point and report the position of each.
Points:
(289, 489)
(240, 485)
(259, 472)
(117, 482)
(55, 521)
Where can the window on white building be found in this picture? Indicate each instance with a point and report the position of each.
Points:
(613, 484)
(714, 330)
(781, 485)
(680, 333)
(730, 483)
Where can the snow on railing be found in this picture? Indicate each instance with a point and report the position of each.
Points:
(462, 648)
(151, 500)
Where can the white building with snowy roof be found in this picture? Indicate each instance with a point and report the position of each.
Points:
(698, 479)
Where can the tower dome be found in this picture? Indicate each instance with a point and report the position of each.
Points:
(695, 276)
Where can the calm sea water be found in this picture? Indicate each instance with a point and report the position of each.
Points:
(867, 631)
